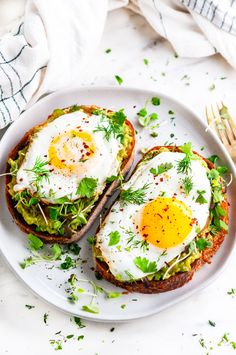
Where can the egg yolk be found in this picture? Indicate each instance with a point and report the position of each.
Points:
(69, 149)
(165, 222)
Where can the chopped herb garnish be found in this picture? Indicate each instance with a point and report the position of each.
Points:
(80, 337)
(145, 61)
(162, 168)
(119, 79)
(29, 306)
(184, 165)
(68, 263)
(45, 317)
(134, 196)
(145, 265)
(39, 171)
(232, 292)
(142, 112)
(79, 322)
(145, 119)
(213, 158)
(91, 308)
(213, 324)
(87, 187)
(203, 243)
(187, 184)
(108, 50)
(154, 134)
(54, 253)
(156, 101)
(114, 238)
(200, 198)
(114, 125)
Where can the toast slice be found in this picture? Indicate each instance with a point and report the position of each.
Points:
(180, 278)
(125, 165)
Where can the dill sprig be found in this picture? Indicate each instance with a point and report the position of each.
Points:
(187, 184)
(184, 165)
(134, 196)
(39, 171)
(114, 125)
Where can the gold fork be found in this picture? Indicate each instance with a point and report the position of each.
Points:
(220, 120)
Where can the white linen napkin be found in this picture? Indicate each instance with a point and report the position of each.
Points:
(49, 48)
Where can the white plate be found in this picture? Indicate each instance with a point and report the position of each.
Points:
(48, 283)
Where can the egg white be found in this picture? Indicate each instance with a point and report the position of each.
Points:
(101, 165)
(120, 261)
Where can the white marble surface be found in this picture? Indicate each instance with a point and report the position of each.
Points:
(23, 331)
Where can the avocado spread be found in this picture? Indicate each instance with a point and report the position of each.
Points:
(66, 216)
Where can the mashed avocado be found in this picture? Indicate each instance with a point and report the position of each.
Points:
(66, 216)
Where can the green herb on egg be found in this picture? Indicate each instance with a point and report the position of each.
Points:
(162, 168)
(132, 196)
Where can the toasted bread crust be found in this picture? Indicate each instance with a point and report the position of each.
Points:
(52, 238)
(179, 279)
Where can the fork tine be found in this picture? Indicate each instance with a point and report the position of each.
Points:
(227, 126)
(221, 132)
(231, 122)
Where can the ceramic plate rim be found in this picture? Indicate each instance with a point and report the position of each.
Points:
(201, 123)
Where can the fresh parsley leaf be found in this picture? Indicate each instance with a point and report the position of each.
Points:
(162, 168)
(87, 187)
(145, 265)
(213, 158)
(144, 119)
(156, 101)
(142, 112)
(118, 79)
(34, 242)
(222, 169)
(203, 243)
(114, 238)
(134, 196)
(90, 308)
(200, 198)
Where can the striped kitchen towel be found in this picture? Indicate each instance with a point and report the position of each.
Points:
(47, 51)
(50, 48)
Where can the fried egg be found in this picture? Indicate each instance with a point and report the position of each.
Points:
(69, 148)
(162, 226)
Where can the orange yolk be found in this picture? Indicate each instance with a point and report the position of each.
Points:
(69, 149)
(165, 222)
